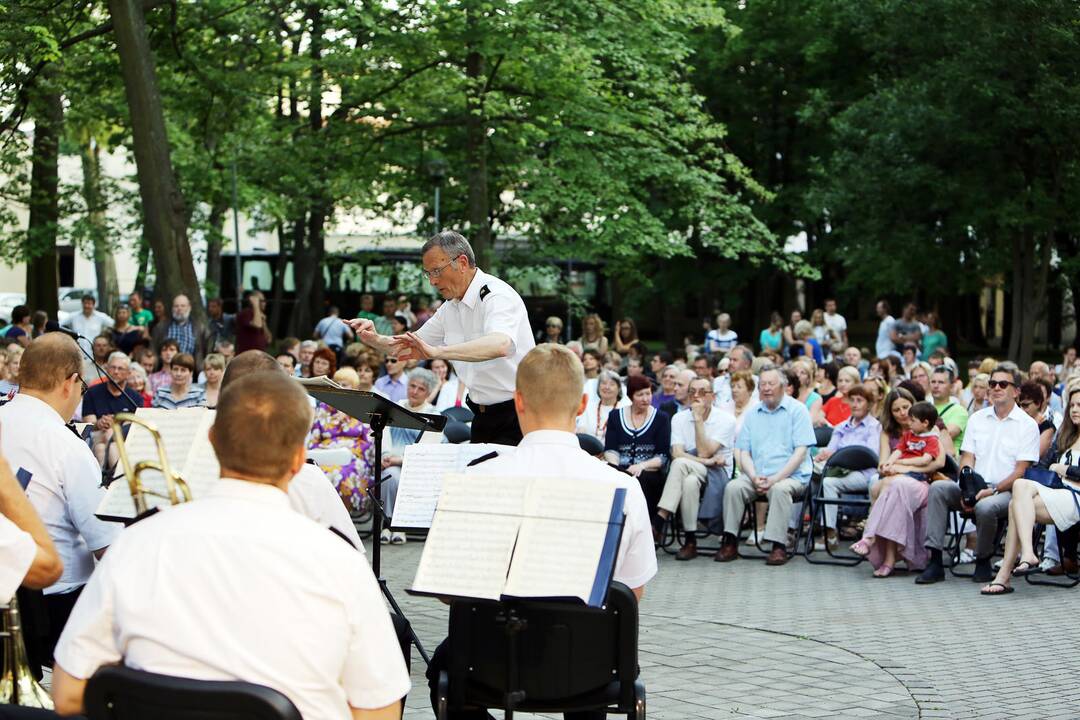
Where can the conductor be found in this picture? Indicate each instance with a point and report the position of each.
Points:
(482, 329)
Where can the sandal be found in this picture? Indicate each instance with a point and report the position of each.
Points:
(1005, 589)
(1025, 568)
(884, 571)
(862, 548)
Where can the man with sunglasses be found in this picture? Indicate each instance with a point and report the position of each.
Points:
(56, 469)
(482, 329)
(393, 384)
(999, 443)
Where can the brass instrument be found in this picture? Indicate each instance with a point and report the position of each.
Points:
(17, 684)
(176, 486)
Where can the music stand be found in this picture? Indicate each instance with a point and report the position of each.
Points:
(378, 412)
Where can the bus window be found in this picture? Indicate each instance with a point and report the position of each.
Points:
(410, 278)
(289, 280)
(258, 275)
(378, 278)
(351, 277)
(583, 283)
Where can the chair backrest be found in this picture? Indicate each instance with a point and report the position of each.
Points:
(460, 413)
(121, 693)
(590, 443)
(457, 432)
(569, 657)
(823, 435)
(853, 457)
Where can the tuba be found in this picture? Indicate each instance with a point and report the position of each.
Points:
(177, 490)
(17, 684)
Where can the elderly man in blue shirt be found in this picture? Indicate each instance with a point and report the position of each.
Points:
(774, 459)
(861, 428)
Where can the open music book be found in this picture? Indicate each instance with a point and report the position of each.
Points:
(499, 538)
(422, 469)
(187, 445)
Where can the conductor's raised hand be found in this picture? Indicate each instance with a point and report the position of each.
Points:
(410, 346)
(364, 329)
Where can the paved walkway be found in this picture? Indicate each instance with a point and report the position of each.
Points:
(744, 640)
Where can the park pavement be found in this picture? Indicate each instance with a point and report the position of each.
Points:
(744, 640)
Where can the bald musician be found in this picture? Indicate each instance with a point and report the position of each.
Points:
(239, 586)
(310, 493)
(549, 396)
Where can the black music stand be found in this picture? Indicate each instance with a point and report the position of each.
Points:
(378, 412)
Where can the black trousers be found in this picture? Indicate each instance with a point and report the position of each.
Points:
(59, 609)
(495, 423)
(440, 662)
(652, 486)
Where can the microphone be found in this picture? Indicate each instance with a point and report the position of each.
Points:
(53, 326)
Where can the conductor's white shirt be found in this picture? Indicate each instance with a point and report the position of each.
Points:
(557, 453)
(62, 481)
(489, 305)
(17, 551)
(239, 586)
(312, 494)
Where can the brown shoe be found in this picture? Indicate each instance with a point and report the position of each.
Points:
(778, 556)
(1065, 566)
(687, 552)
(727, 553)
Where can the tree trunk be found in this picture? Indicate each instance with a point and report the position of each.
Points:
(476, 156)
(108, 286)
(143, 262)
(163, 204)
(285, 246)
(215, 240)
(42, 268)
(1031, 267)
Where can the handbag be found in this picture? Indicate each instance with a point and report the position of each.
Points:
(971, 484)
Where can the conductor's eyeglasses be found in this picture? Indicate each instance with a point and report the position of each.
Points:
(432, 274)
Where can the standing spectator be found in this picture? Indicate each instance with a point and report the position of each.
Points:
(251, 330)
(884, 345)
(404, 308)
(125, 335)
(181, 392)
(721, 339)
(423, 310)
(214, 367)
(822, 333)
(334, 331)
(1068, 362)
(104, 401)
(393, 384)
(139, 315)
(838, 325)
(773, 455)
(999, 444)
(384, 324)
(21, 329)
(159, 313)
(625, 335)
(222, 326)
(592, 334)
(163, 376)
(700, 439)
(367, 307)
(89, 323)
(191, 337)
(772, 337)
(935, 339)
(553, 331)
(638, 439)
(906, 330)
(137, 381)
(789, 332)
(838, 408)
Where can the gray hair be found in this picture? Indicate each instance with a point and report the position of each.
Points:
(1011, 369)
(613, 377)
(451, 243)
(425, 376)
(137, 371)
(119, 356)
(779, 373)
(309, 345)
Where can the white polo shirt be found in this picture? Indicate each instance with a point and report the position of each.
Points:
(62, 481)
(17, 551)
(557, 453)
(719, 427)
(313, 495)
(999, 444)
(489, 305)
(239, 586)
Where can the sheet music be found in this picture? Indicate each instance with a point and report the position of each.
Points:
(422, 471)
(320, 382)
(555, 558)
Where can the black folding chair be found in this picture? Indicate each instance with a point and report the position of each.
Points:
(543, 656)
(459, 413)
(457, 432)
(121, 693)
(590, 444)
(1066, 550)
(852, 458)
(823, 435)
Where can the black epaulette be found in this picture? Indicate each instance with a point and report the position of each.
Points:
(311, 461)
(483, 458)
(624, 471)
(484, 292)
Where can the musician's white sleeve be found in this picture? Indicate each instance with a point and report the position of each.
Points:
(374, 675)
(83, 494)
(17, 551)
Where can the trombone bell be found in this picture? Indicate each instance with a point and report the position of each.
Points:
(17, 684)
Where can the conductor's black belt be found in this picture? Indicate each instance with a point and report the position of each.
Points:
(498, 408)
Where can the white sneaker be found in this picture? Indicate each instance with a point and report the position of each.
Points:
(966, 556)
(384, 536)
(397, 538)
(752, 537)
(1047, 563)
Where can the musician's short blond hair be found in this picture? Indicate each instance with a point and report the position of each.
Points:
(551, 380)
(48, 361)
(262, 420)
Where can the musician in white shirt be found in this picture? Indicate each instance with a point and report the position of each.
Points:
(27, 554)
(239, 586)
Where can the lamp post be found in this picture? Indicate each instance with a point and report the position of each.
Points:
(437, 172)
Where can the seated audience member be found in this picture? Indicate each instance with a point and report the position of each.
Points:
(607, 396)
(449, 390)
(27, 554)
(304, 355)
(1040, 371)
(126, 336)
(951, 412)
(593, 363)
(772, 337)
(102, 348)
(700, 439)
(1033, 502)
(860, 428)
(702, 367)
(162, 377)
(613, 361)
(145, 358)
(838, 408)
(920, 375)
(592, 335)
(181, 393)
(666, 392)
(806, 345)
(909, 358)
(21, 329)
(137, 381)
(743, 396)
(62, 478)
(552, 332)
(999, 444)
(104, 401)
(803, 390)
(334, 429)
(395, 440)
(657, 364)
(394, 384)
(638, 439)
(323, 363)
(681, 400)
(634, 368)
(876, 389)
(825, 381)
(287, 362)
(918, 444)
(366, 368)
(773, 455)
(254, 561)
(9, 382)
(214, 368)
(853, 358)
